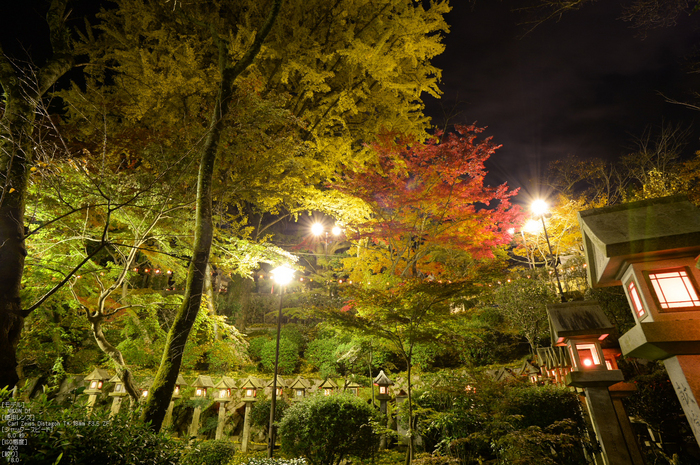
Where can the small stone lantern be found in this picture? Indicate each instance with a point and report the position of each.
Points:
(222, 392)
(201, 384)
(299, 387)
(117, 395)
(177, 394)
(353, 387)
(250, 388)
(96, 380)
(223, 389)
(145, 390)
(280, 386)
(328, 386)
(383, 381)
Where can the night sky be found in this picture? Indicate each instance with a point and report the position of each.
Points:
(586, 85)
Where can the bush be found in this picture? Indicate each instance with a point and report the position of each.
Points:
(328, 429)
(255, 347)
(78, 438)
(289, 356)
(260, 414)
(216, 452)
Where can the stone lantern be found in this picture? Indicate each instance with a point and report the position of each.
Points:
(177, 394)
(145, 390)
(117, 395)
(250, 388)
(96, 380)
(201, 385)
(353, 387)
(299, 387)
(651, 248)
(580, 327)
(328, 386)
(222, 393)
(280, 385)
(383, 382)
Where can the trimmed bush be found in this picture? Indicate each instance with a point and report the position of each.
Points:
(216, 452)
(328, 429)
(260, 414)
(289, 356)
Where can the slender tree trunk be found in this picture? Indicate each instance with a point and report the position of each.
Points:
(116, 356)
(16, 157)
(164, 383)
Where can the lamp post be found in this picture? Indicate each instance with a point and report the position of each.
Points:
(282, 276)
(317, 229)
(540, 209)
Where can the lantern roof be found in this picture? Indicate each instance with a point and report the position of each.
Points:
(328, 384)
(225, 383)
(655, 228)
(115, 379)
(180, 381)
(203, 381)
(382, 380)
(573, 320)
(251, 383)
(280, 382)
(98, 374)
(527, 369)
(351, 385)
(300, 383)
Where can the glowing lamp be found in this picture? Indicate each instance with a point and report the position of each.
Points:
(336, 231)
(317, 229)
(95, 381)
(283, 275)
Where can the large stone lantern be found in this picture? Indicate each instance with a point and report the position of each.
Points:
(651, 249)
(580, 327)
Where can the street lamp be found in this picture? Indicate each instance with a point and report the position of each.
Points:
(282, 275)
(317, 229)
(541, 209)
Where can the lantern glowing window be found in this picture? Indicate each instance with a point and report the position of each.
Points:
(588, 355)
(382, 389)
(279, 391)
(300, 392)
(636, 301)
(250, 392)
(118, 387)
(177, 390)
(326, 392)
(674, 289)
(200, 392)
(144, 393)
(93, 385)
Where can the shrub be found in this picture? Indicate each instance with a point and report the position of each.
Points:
(78, 438)
(216, 452)
(260, 414)
(327, 429)
(289, 356)
(255, 347)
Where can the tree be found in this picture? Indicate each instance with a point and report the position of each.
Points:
(425, 200)
(523, 304)
(23, 87)
(403, 315)
(328, 429)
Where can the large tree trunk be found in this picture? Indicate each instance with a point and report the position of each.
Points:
(22, 98)
(164, 383)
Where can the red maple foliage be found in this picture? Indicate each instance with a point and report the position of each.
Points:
(431, 196)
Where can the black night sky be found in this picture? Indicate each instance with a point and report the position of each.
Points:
(586, 85)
